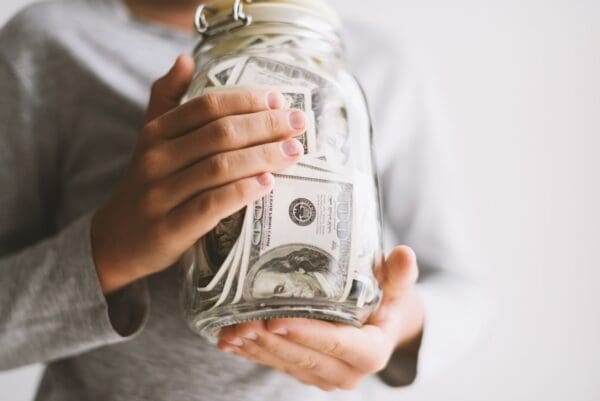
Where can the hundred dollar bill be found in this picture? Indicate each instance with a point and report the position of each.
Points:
(366, 242)
(267, 71)
(313, 169)
(300, 240)
(317, 169)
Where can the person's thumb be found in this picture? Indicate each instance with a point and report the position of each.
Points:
(399, 273)
(167, 91)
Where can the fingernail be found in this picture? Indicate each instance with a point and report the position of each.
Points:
(251, 336)
(293, 147)
(281, 331)
(236, 341)
(265, 179)
(274, 100)
(296, 119)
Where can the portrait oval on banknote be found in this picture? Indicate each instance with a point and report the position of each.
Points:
(294, 271)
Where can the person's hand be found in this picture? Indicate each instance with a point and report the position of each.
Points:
(336, 356)
(193, 165)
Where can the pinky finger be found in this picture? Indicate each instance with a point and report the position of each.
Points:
(200, 214)
(273, 362)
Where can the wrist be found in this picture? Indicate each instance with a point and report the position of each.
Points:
(111, 274)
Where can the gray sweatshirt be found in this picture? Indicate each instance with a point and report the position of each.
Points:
(74, 83)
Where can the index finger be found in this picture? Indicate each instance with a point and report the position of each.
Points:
(215, 105)
(363, 348)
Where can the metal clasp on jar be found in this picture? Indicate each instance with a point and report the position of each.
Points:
(237, 19)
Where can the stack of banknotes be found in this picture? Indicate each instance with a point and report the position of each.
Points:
(315, 235)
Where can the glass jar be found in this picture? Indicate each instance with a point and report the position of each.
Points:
(310, 247)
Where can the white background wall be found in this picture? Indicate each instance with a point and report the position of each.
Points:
(522, 82)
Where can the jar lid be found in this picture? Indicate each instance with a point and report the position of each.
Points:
(217, 16)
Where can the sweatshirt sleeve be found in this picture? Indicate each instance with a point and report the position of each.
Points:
(422, 209)
(51, 303)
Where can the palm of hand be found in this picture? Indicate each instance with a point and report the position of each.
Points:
(331, 355)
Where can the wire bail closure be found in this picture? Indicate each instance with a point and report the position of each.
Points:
(237, 19)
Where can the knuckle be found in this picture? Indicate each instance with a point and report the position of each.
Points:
(211, 104)
(253, 353)
(334, 348)
(247, 96)
(268, 153)
(219, 165)
(255, 327)
(243, 330)
(308, 363)
(242, 191)
(151, 130)
(151, 163)
(271, 122)
(226, 131)
(251, 97)
(206, 203)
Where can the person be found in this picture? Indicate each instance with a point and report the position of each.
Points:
(101, 195)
